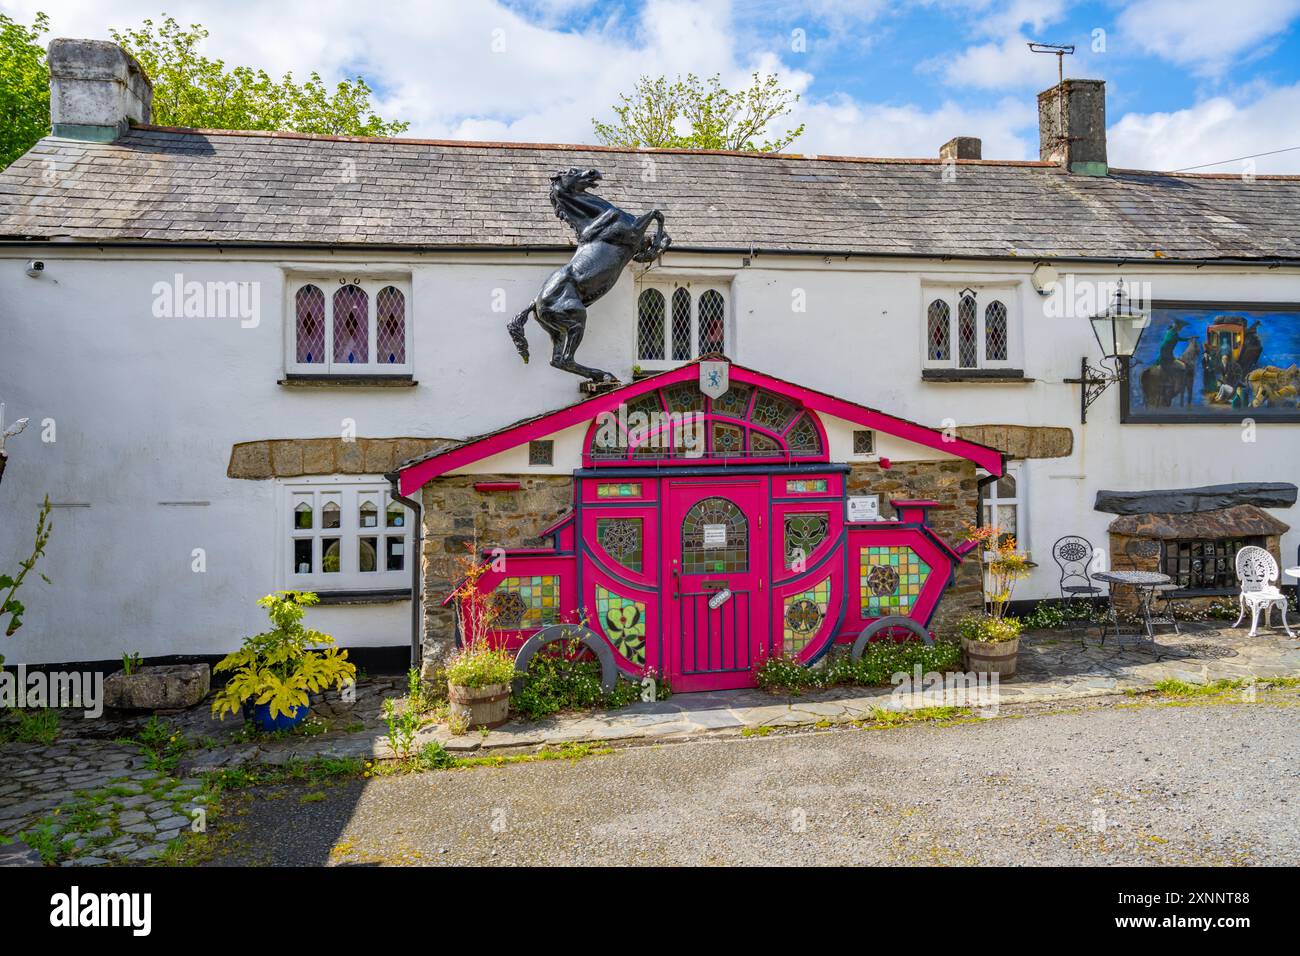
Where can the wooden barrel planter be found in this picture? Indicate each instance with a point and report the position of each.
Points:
(480, 706)
(984, 657)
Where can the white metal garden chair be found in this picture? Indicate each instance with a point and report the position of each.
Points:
(1256, 570)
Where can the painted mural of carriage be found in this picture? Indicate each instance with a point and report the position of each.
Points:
(707, 534)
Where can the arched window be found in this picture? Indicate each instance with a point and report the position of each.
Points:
(650, 326)
(681, 325)
(309, 320)
(939, 331)
(967, 334)
(351, 325)
(995, 332)
(390, 321)
(679, 422)
(712, 323)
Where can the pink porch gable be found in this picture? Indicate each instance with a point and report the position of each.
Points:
(415, 474)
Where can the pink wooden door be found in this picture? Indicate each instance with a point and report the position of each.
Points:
(716, 555)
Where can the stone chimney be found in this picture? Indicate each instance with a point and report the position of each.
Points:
(97, 90)
(961, 147)
(1072, 126)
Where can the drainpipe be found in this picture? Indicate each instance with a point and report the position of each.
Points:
(417, 562)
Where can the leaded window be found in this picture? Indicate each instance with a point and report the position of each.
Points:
(773, 412)
(939, 334)
(541, 452)
(623, 540)
(1206, 564)
(309, 311)
(890, 579)
(803, 438)
(967, 329)
(681, 325)
(995, 332)
(715, 538)
(728, 440)
(351, 326)
(864, 442)
(967, 336)
(390, 313)
(526, 602)
(677, 322)
(650, 326)
(803, 617)
(734, 402)
(623, 621)
(803, 533)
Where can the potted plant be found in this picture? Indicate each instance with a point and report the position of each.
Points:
(991, 641)
(275, 672)
(479, 676)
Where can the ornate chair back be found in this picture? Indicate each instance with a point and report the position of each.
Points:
(1072, 555)
(1256, 569)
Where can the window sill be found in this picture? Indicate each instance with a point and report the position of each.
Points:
(377, 596)
(999, 376)
(348, 381)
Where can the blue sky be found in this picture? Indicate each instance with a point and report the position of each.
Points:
(1189, 82)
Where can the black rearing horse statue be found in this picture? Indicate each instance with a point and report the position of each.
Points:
(608, 239)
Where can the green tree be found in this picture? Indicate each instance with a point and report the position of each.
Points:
(717, 118)
(24, 87)
(191, 90)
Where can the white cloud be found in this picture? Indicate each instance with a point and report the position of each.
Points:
(1212, 130)
(1205, 35)
(844, 127)
(1008, 64)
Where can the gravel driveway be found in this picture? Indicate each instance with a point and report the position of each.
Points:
(1136, 783)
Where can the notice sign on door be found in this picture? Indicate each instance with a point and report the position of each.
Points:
(715, 535)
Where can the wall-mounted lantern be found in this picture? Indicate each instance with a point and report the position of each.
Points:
(1118, 330)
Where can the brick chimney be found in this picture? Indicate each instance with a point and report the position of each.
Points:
(97, 90)
(1072, 126)
(961, 147)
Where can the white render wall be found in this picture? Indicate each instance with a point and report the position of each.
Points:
(146, 410)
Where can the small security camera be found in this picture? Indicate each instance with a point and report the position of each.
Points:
(35, 268)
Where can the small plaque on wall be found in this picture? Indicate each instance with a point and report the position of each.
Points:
(864, 508)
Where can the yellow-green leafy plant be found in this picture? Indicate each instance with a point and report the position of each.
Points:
(477, 663)
(282, 666)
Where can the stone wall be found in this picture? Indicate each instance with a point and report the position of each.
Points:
(1022, 441)
(953, 483)
(457, 518)
(1126, 598)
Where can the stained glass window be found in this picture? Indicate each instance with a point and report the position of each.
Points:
(728, 440)
(351, 325)
(939, 331)
(715, 538)
(309, 308)
(390, 309)
(526, 602)
(761, 446)
(995, 332)
(541, 452)
(803, 533)
(864, 442)
(681, 325)
(890, 579)
(712, 323)
(734, 403)
(623, 621)
(619, 489)
(773, 412)
(650, 325)
(967, 340)
(622, 540)
(803, 438)
(804, 613)
(805, 486)
(684, 397)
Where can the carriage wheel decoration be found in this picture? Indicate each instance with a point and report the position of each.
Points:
(887, 627)
(584, 636)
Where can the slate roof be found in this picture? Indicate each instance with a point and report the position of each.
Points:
(157, 184)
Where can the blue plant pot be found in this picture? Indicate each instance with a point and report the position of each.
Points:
(260, 715)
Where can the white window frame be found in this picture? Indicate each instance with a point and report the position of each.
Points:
(329, 284)
(1016, 471)
(350, 492)
(984, 294)
(666, 287)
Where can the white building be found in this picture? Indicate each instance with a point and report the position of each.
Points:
(172, 315)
